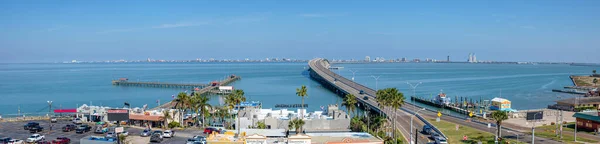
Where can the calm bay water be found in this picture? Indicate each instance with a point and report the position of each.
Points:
(527, 86)
(69, 85)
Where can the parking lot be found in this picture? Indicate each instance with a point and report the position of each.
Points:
(15, 130)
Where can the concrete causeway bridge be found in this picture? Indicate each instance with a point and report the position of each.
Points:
(319, 71)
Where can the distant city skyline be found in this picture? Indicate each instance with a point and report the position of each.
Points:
(536, 31)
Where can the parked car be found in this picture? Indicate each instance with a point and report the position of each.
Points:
(61, 140)
(5, 140)
(83, 129)
(210, 130)
(366, 98)
(167, 134)
(53, 120)
(100, 129)
(77, 121)
(361, 92)
(15, 141)
(159, 133)
(29, 125)
(35, 138)
(68, 128)
(125, 133)
(36, 129)
(441, 140)
(156, 138)
(197, 140)
(110, 135)
(146, 132)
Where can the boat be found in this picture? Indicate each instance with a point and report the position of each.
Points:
(441, 99)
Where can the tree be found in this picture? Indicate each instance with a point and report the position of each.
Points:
(595, 81)
(199, 103)
(350, 103)
(235, 99)
(396, 100)
(296, 124)
(499, 116)
(357, 125)
(182, 103)
(594, 71)
(382, 98)
(301, 92)
(167, 116)
(261, 125)
(222, 112)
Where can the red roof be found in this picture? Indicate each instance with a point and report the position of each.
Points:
(65, 111)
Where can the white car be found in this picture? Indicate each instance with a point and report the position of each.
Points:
(77, 121)
(35, 138)
(125, 133)
(167, 134)
(15, 141)
(53, 120)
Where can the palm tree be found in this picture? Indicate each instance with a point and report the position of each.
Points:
(499, 116)
(296, 124)
(301, 92)
(182, 104)
(381, 98)
(201, 103)
(350, 103)
(167, 116)
(235, 99)
(594, 71)
(396, 100)
(595, 81)
(222, 112)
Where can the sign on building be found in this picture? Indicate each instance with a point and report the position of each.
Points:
(117, 114)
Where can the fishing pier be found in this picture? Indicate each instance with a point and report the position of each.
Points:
(127, 82)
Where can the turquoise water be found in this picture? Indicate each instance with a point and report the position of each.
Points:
(527, 86)
(68, 85)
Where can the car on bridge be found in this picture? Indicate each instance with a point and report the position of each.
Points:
(361, 92)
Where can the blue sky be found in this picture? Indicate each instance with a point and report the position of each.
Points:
(532, 30)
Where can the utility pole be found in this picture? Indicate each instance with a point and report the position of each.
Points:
(353, 72)
(414, 94)
(49, 116)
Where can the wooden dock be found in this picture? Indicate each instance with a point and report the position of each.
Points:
(157, 84)
(209, 88)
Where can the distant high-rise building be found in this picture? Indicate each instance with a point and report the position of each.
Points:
(148, 60)
(403, 59)
(448, 58)
(367, 58)
(474, 58)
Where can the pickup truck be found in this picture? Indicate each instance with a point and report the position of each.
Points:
(61, 140)
(35, 138)
(36, 129)
(68, 128)
(29, 125)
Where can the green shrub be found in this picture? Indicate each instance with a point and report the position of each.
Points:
(173, 124)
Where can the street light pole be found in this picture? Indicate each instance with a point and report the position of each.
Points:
(353, 72)
(49, 116)
(411, 124)
(376, 79)
(414, 87)
(533, 129)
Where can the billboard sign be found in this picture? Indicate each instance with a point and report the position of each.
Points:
(535, 115)
(117, 114)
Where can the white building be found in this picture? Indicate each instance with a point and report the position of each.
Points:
(367, 58)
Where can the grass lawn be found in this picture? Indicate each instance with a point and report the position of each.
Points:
(548, 131)
(584, 80)
(455, 137)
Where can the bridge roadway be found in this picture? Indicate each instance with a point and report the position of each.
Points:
(402, 117)
(319, 66)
